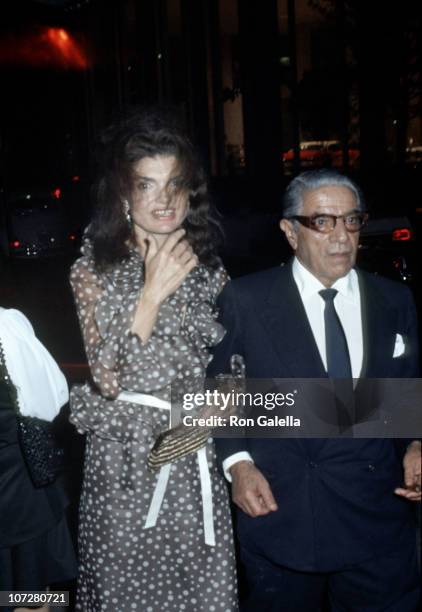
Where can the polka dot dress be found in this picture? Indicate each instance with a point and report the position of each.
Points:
(123, 565)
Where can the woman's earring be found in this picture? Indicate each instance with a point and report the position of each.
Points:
(126, 209)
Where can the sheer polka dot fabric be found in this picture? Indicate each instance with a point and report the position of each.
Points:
(123, 566)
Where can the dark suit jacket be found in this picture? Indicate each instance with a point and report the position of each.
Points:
(335, 497)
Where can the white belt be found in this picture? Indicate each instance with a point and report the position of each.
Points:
(164, 474)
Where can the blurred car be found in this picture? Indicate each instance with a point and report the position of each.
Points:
(35, 225)
(388, 247)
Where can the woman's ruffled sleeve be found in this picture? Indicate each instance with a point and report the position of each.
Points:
(101, 345)
(218, 279)
(106, 306)
(105, 318)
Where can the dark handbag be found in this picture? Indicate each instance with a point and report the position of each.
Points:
(42, 456)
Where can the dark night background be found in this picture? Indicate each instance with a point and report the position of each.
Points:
(267, 88)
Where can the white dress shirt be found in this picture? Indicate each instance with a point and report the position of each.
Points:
(348, 307)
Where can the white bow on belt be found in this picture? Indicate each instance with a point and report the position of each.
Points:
(164, 474)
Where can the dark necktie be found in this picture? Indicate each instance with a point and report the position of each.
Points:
(338, 362)
(338, 359)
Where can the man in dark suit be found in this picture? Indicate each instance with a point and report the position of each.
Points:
(314, 516)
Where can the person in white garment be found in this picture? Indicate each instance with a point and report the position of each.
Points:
(36, 550)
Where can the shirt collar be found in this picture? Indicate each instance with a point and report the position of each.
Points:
(309, 285)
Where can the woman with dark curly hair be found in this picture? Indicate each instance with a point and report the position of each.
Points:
(145, 290)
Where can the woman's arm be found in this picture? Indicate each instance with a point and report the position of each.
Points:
(89, 292)
(118, 334)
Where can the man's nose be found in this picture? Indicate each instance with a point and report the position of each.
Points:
(340, 232)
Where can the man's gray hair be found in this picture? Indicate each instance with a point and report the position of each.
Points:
(314, 179)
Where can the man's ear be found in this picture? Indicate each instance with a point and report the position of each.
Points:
(288, 229)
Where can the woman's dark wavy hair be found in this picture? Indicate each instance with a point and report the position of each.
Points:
(143, 133)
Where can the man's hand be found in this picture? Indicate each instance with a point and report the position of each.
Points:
(412, 464)
(250, 490)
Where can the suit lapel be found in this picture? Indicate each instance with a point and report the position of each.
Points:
(285, 320)
(284, 317)
(379, 324)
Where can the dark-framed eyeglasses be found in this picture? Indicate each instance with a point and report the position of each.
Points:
(353, 222)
